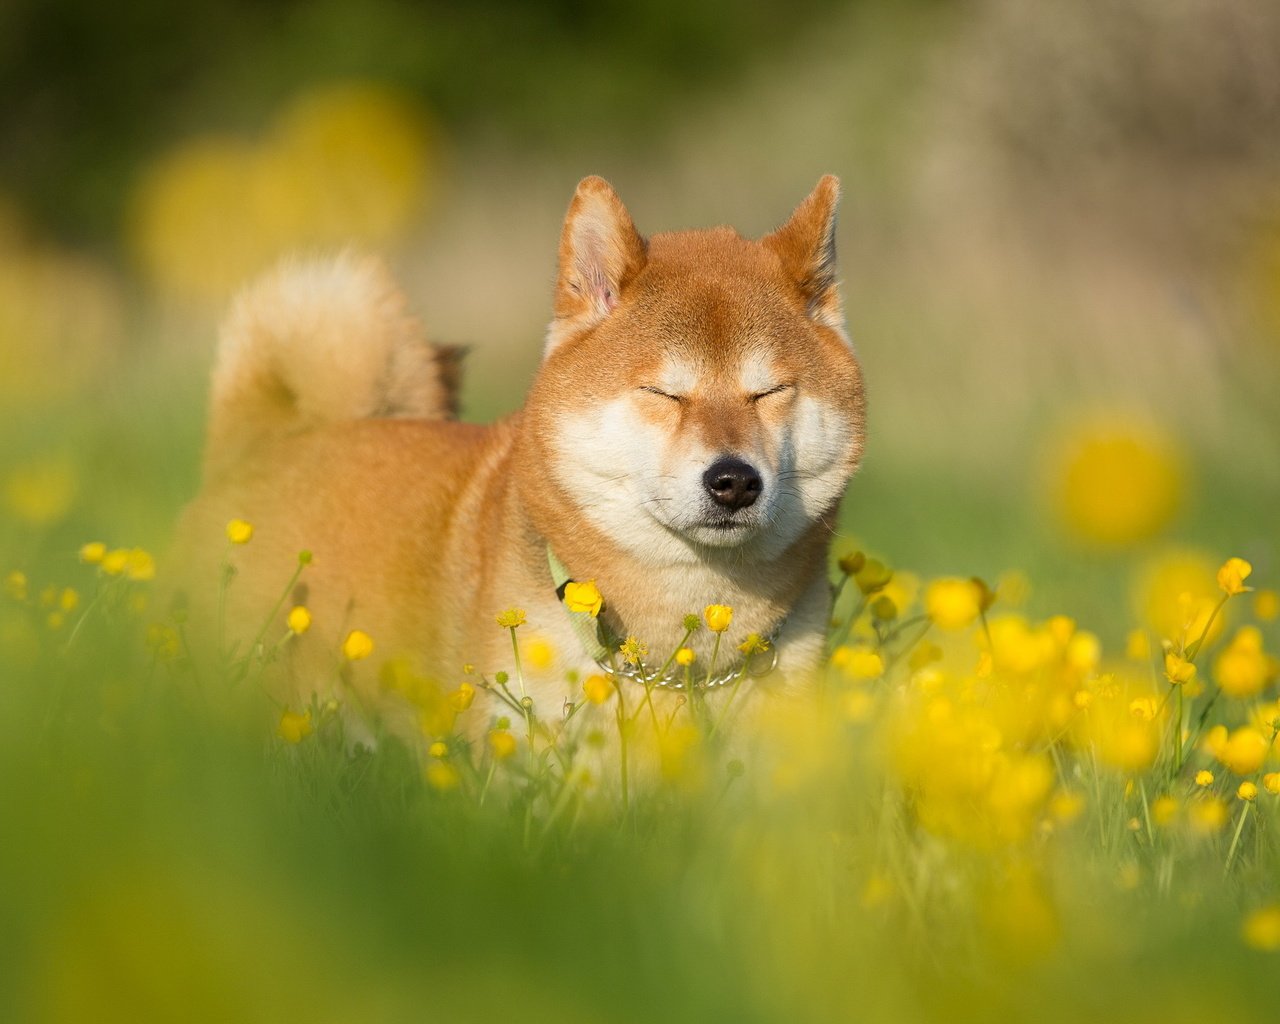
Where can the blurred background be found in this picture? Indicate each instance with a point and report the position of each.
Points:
(1060, 248)
(1060, 240)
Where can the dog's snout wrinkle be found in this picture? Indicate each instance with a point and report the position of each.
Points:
(732, 483)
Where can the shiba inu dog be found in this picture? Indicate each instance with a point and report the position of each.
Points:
(687, 439)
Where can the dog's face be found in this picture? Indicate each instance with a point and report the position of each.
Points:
(698, 391)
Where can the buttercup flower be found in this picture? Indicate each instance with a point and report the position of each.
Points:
(873, 576)
(1244, 751)
(583, 597)
(113, 562)
(438, 749)
(718, 617)
(139, 565)
(1177, 669)
(299, 620)
(1247, 791)
(502, 743)
(93, 552)
(1261, 929)
(685, 656)
(1271, 782)
(511, 618)
(357, 645)
(294, 728)
(753, 644)
(1243, 668)
(598, 688)
(441, 776)
(1232, 575)
(239, 532)
(463, 697)
(952, 603)
(1204, 778)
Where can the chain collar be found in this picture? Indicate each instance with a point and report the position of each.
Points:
(602, 646)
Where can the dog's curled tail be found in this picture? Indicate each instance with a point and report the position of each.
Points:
(318, 340)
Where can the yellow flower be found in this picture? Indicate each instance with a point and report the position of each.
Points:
(1266, 605)
(1207, 816)
(1261, 929)
(583, 597)
(632, 650)
(1177, 669)
(1271, 782)
(859, 662)
(438, 749)
(1247, 791)
(68, 600)
(299, 619)
(1243, 668)
(718, 617)
(753, 644)
(511, 618)
(952, 603)
(463, 697)
(442, 776)
(685, 656)
(1245, 750)
(1144, 708)
(294, 728)
(139, 565)
(41, 492)
(15, 585)
(1164, 811)
(1066, 805)
(873, 577)
(1115, 480)
(93, 552)
(1232, 575)
(114, 562)
(502, 743)
(598, 688)
(1174, 595)
(1204, 778)
(239, 532)
(357, 645)
(851, 563)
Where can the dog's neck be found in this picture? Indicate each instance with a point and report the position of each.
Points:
(649, 599)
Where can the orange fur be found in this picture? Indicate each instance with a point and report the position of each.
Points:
(328, 433)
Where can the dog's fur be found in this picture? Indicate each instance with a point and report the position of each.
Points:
(331, 430)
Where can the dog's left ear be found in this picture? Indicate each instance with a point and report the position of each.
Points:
(600, 252)
(806, 247)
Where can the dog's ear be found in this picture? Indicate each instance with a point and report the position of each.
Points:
(806, 246)
(600, 252)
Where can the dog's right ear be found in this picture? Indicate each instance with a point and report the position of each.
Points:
(600, 252)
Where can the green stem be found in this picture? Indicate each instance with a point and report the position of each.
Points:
(1235, 839)
(1177, 734)
(515, 649)
(271, 617)
(1194, 649)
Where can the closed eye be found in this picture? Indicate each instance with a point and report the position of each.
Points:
(662, 394)
(775, 390)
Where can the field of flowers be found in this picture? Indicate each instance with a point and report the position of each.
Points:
(1039, 775)
(978, 816)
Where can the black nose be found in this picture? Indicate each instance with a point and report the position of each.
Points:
(732, 483)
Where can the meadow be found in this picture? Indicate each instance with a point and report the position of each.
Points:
(1039, 775)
